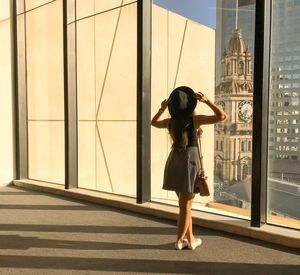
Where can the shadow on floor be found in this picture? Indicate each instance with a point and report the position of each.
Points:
(22, 243)
(89, 229)
(139, 265)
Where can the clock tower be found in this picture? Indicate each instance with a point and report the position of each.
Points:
(233, 137)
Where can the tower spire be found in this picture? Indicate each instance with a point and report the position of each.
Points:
(236, 13)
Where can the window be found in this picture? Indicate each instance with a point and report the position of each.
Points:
(228, 69)
(107, 49)
(294, 148)
(45, 91)
(241, 67)
(284, 58)
(175, 34)
(243, 146)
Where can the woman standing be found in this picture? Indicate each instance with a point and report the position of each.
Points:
(182, 165)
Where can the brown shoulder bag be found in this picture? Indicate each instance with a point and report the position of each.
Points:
(201, 180)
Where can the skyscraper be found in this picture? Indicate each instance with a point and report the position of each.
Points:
(284, 134)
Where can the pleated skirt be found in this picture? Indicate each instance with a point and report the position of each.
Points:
(181, 170)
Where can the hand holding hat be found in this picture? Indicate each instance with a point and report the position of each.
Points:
(202, 97)
(164, 104)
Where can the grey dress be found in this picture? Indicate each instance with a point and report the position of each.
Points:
(182, 167)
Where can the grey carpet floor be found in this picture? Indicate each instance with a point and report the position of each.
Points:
(45, 234)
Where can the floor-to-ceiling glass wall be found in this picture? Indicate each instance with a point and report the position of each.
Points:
(208, 45)
(6, 104)
(106, 88)
(40, 31)
(284, 115)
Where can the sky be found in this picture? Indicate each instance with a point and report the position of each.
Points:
(202, 11)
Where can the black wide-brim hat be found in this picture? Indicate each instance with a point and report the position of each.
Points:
(182, 102)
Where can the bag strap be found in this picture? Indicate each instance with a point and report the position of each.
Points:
(199, 149)
(200, 152)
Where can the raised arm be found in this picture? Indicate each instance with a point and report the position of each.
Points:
(203, 119)
(163, 123)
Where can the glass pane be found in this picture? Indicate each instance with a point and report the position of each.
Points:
(284, 115)
(208, 46)
(6, 122)
(45, 92)
(106, 88)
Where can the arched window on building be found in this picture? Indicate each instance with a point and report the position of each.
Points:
(241, 67)
(249, 146)
(243, 146)
(228, 69)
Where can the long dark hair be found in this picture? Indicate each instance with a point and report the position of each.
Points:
(178, 133)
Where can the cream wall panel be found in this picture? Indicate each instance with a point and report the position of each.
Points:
(119, 95)
(129, 1)
(159, 153)
(196, 69)
(159, 64)
(103, 174)
(104, 5)
(175, 39)
(105, 26)
(159, 91)
(6, 111)
(85, 8)
(197, 60)
(45, 62)
(4, 9)
(30, 4)
(86, 69)
(119, 143)
(87, 155)
(46, 151)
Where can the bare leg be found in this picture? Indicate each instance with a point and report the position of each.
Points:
(189, 233)
(190, 227)
(185, 217)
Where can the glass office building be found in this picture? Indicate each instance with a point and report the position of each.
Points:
(283, 125)
(86, 76)
(284, 102)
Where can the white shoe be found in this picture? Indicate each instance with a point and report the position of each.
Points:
(180, 246)
(195, 244)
